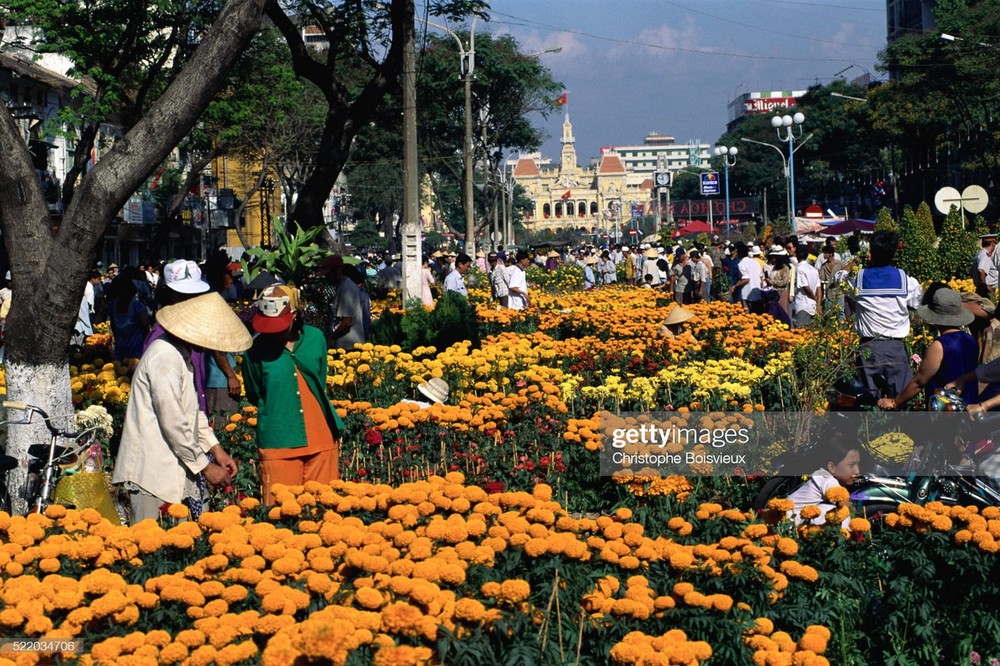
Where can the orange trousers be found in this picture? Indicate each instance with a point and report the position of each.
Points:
(323, 467)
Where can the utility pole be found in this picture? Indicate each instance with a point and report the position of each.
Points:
(411, 242)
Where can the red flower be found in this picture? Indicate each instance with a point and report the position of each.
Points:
(493, 487)
(373, 437)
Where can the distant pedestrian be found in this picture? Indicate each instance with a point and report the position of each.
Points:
(455, 280)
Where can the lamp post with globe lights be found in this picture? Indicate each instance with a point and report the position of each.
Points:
(789, 124)
(728, 155)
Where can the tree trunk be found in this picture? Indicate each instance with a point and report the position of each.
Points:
(50, 268)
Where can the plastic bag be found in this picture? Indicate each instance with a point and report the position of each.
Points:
(88, 488)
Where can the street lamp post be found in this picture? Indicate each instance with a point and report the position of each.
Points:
(789, 124)
(728, 155)
(468, 64)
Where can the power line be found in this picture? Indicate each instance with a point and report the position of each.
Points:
(524, 23)
(810, 38)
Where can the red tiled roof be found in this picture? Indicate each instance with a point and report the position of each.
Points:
(611, 164)
(525, 168)
(646, 184)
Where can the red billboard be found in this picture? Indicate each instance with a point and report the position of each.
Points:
(767, 104)
(698, 209)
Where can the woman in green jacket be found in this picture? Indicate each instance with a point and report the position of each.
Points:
(285, 377)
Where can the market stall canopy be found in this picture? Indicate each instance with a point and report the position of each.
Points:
(692, 229)
(849, 227)
(805, 225)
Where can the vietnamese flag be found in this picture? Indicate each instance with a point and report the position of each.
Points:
(562, 100)
(567, 194)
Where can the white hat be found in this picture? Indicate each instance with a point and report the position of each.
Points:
(777, 251)
(184, 277)
(436, 389)
(754, 251)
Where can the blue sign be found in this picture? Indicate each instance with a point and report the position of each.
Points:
(636, 210)
(709, 183)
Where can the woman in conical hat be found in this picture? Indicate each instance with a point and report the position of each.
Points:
(166, 438)
(674, 323)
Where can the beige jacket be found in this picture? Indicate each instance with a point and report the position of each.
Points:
(165, 436)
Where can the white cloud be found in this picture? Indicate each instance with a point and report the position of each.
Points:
(662, 41)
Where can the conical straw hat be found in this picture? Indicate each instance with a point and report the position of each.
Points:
(206, 321)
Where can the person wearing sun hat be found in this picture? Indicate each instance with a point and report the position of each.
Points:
(284, 373)
(166, 437)
(589, 279)
(673, 325)
(953, 354)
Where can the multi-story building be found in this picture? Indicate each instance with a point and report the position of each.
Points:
(603, 194)
(659, 152)
(904, 17)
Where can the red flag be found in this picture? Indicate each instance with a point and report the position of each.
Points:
(566, 195)
(562, 100)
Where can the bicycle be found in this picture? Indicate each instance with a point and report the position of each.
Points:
(47, 462)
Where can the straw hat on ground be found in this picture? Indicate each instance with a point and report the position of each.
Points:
(435, 389)
(206, 321)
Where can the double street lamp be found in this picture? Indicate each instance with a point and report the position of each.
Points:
(728, 155)
(789, 124)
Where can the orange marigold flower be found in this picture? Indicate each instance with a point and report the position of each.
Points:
(859, 525)
(837, 494)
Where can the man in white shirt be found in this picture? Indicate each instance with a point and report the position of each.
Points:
(883, 296)
(706, 285)
(699, 276)
(984, 269)
(806, 288)
(455, 280)
(748, 286)
(518, 286)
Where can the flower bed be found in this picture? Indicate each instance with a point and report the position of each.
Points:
(481, 532)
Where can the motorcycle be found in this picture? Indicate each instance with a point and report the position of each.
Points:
(927, 476)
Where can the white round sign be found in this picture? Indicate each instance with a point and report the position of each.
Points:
(947, 197)
(974, 198)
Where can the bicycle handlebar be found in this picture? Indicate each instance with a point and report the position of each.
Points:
(31, 409)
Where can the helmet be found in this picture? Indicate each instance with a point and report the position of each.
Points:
(947, 400)
(850, 386)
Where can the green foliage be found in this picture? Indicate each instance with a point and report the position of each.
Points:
(293, 258)
(925, 221)
(885, 222)
(917, 256)
(957, 247)
(452, 320)
(366, 236)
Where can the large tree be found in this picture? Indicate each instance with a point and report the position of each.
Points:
(939, 106)
(508, 86)
(359, 62)
(50, 263)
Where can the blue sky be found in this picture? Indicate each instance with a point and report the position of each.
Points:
(671, 66)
